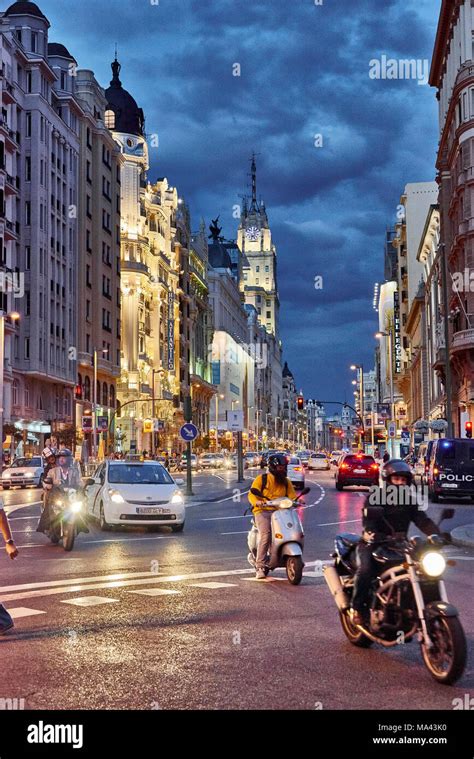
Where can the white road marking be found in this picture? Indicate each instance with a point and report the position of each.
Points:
(266, 579)
(154, 592)
(212, 585)
(240, 532)
(22, 611)
(13, 519)
(76, 581)
(343, 521)
(90, 601)
(217, 519)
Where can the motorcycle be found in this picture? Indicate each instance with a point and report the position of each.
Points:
(286, 549)
(67, 507)
(408, 599)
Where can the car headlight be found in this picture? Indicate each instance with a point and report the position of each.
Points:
(76, 506)
(6, 475)
(433, 564)
(29, 474)
(177, 498)
(116, 497)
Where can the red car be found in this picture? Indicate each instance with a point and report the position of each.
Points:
(357, 469)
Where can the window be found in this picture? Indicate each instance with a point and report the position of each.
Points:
(29, 81)
(18, 35)
(27, 303)
(89, 206)
(28, 123)
(269, 314)
(88, 171)
(34, 42)
(27, 348)
(26, 395)
(88, 278)
(257, 268)
(28, 213)
(28, 168)
(63, 80)
(88, 241)
(110, 119)
(267, 268)
(88, 310)
(27, 258)
(15, 392)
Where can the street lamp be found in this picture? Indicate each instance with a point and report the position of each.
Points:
(94, 404)
(13, 316)
(379, 336)
(360, 368)
(276, 424)
(266, 424)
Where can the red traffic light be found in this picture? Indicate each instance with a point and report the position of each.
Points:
(300, 403)
(78, 392)
(468, 428)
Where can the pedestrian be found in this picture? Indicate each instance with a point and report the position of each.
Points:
(6, 622)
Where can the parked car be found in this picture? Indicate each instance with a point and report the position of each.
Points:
(296, 472)
(135, 493)
(357, 469)
(318, 461)
(24, 472)
(451, 469)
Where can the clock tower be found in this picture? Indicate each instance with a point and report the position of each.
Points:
(259, 263)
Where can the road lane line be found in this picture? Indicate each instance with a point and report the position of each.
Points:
(217, 519)
(343, 521)
(242, 532)
(75, 581)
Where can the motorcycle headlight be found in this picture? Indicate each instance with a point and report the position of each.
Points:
(116, 497)
(433, 564)
(177, 498)
(286, 503)
(76, 506)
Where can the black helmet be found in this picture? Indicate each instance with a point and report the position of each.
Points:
(397, 467)
(278, 464)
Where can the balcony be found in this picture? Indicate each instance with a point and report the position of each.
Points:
(8, 94)
(11, 231)
(463, 341)
(12, 185)
(135, 266)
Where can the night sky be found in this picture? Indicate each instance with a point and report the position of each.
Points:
(304, 71)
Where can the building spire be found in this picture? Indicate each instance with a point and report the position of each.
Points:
(115, 81)
(254, 182)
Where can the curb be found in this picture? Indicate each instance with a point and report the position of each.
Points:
(463, 536)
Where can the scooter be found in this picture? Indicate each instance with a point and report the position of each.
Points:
(286, 549)
(67, 507)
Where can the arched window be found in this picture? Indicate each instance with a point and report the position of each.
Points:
(110, 119)
(98, 389)
(112, 397)
(87, 388)
(105, 394)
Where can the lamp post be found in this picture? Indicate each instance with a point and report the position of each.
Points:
(266, 424)
(257, 418)
(94, 403)
(276, 424)
(388, 335)
(13, 316)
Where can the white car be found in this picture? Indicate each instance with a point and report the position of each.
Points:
(318, 461)
(24, 472)
(135, 493)
(296, 472)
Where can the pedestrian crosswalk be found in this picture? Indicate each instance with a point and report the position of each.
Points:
(134, 584)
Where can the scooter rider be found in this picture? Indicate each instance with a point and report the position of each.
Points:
(399, 512)
(50, 462)
(66, 475)
(275, 484)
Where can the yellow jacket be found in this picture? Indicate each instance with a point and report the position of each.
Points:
(272, 490)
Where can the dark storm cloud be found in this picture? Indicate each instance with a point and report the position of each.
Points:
(304, 71)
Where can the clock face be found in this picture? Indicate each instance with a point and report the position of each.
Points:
(252, 234)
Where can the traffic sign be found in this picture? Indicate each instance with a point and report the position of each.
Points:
(405, 437)
(392, 429)
(235, 421)
(189, 432)
(87, 423)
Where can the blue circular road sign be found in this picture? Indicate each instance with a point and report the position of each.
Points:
(189, 432)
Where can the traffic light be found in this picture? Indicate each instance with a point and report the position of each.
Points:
(300, 403)
(147, 425)
(468, 428)
(78, 392)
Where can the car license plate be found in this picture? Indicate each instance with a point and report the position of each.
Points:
(153, 511)
(360, 471)
(449, 485)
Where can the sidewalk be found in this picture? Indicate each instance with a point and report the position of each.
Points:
(463, 536)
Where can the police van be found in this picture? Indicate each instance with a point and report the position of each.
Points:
(451, 469)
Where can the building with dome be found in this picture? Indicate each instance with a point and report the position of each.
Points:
(40, 137)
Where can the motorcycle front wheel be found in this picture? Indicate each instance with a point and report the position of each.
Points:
(294, 569)
(69, 536)
(352, 633)
(446, 659)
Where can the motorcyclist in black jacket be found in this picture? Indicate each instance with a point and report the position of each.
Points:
(400, 508)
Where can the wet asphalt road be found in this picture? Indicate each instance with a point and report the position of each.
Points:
(177, 621)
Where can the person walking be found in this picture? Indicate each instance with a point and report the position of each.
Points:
(6, 622)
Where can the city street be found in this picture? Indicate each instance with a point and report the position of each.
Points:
(146, 620)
